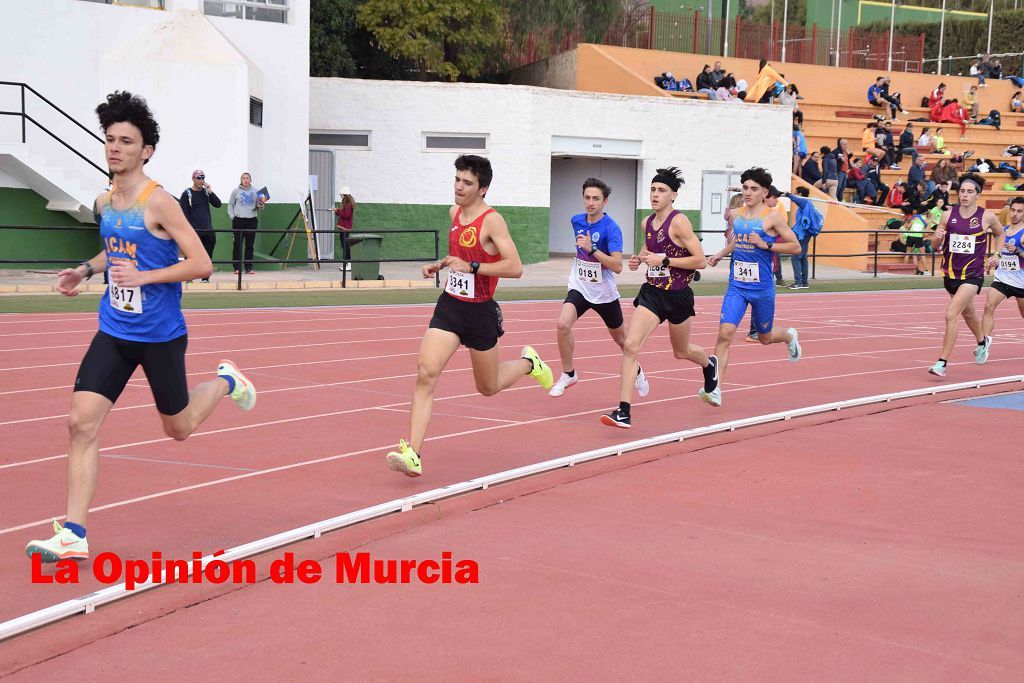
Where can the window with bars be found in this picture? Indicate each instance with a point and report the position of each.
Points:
(256, 112)
(257, 10)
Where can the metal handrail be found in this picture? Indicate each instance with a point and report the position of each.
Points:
(25, 116)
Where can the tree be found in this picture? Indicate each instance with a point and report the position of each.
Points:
(444, 38)
(331, 27)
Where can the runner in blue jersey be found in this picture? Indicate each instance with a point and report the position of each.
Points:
(592, 281)
(1009, 278)
(672, 254)
(758, 233)
(140, 322)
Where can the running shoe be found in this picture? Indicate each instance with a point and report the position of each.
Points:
(617, 419)
(563, 383)
(794, 346)
(64, 545)
(643, 387)
(711, 377)
(752, 339)
(405, 460)
(713, 398)
(981, 353)
(541, 372)
(938, 369)
(244, 393)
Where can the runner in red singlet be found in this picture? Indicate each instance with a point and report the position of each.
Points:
(480, 250)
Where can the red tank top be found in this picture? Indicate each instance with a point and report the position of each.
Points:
(464, 242)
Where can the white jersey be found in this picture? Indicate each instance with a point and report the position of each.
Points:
(588, 277)
(1011, 261)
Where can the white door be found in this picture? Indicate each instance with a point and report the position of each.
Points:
(321, 166)
(714, 201)
(567, 176)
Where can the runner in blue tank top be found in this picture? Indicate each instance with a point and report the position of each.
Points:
(140, 321)
(758, 232)
(671, 253)
(962, 238)
(1009, 279)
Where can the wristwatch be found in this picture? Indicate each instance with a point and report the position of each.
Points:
(664, 262)
(89, 271)
(474, 266)
(592, 250)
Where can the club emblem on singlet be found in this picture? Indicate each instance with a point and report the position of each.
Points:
(468, 237)
(975, 222)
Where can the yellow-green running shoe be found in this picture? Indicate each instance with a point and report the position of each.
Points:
(244, 393)
(541, 372)
(405, 460)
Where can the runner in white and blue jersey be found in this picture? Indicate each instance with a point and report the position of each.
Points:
(142, 229)
(1009, 279)
(758, 233)
(597, 261)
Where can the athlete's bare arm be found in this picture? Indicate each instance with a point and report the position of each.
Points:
(726, 250)
(775, 224)
(612, 261)
(164, 213)
(494, 234)
(991, 223)
(681, 232)
(939, 233)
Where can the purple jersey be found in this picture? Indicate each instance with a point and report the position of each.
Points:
(659, 242)
(963, 248)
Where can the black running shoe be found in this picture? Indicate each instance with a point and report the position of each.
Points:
(711, 374)
(616, 419)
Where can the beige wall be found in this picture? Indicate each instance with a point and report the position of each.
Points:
(558, 72)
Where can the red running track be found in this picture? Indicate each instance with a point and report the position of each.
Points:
(334, 396)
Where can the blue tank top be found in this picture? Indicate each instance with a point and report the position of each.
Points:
(150, 313)
(751, 266)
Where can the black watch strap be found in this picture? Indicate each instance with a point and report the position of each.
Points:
(89, 271)
(664, 262)
(592, 250)
(474, 266)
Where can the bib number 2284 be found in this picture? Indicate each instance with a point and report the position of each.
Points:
(961, 244)
(126, 299)
(461, 284)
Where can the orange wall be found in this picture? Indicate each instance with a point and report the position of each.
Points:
(605, 68)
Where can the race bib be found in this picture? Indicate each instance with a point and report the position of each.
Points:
(126, 299)
(745, 271)
(589, 271)
(461, 284)
(658, 271)
(961, 244)
(1009, 262)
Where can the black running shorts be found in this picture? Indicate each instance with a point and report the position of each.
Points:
(952, 284)
(676, 307)
(110, 362)
(610, 312)
(1009, 291)
(476, 324)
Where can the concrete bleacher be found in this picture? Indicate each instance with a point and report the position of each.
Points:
(834, 106)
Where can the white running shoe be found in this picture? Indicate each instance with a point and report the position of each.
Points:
(712, 398)
(981, 353)
(563, 383)
(643, 387)
(939, 369)
(794, 346)
(64, 545)
(244, 394)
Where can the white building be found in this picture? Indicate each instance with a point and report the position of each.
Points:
(227, 82)
(393, 143)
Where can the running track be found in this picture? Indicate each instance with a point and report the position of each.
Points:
(334, 390)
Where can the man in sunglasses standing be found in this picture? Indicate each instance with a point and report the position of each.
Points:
(195, 203)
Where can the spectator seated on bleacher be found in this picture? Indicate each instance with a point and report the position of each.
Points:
(1016, 104)
(894, 199)
(925, 143)
(936, 96)
(704, 83)
(811, 171)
